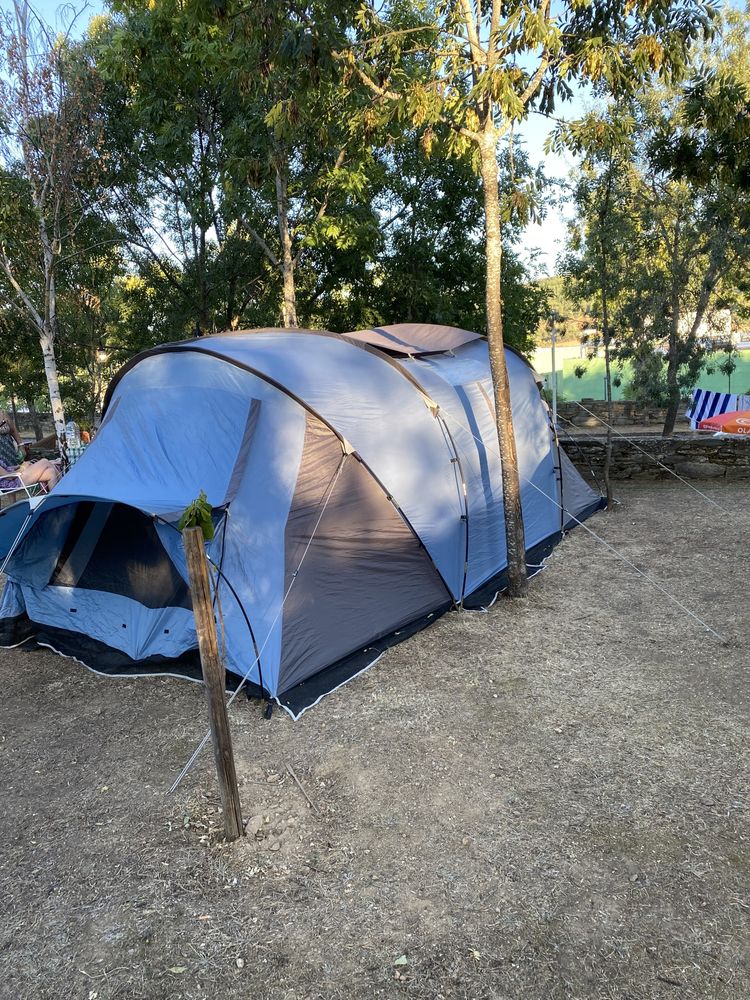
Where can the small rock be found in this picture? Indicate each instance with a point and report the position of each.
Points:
(254, 825)
(240, 963)
(275, 846)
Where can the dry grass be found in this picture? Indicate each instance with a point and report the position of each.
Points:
(546, 801)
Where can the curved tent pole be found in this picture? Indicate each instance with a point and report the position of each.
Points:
(464, 492)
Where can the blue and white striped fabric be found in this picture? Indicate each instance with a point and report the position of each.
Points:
(706, 403)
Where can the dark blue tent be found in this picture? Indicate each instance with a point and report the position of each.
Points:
(356, 489)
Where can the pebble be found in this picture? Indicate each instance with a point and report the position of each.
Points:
(254, 825)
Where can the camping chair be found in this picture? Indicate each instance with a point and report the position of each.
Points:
(15, 490)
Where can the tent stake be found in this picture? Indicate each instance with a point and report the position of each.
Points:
(214, 678)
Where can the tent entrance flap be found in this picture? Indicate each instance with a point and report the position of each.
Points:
(106, 547)
(108, 578)
(116, 549)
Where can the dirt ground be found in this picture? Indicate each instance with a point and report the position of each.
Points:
(546, 801)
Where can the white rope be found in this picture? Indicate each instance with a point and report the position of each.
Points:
(196, 753)
(654, 458)
(646, 576)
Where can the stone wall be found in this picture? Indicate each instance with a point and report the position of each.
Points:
(690, 456)
(25, 425)
(624, 412)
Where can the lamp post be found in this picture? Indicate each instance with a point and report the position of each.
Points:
(554, 317)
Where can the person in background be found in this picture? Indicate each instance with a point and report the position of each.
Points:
(11, 449)
(43, 471)
(12, 464)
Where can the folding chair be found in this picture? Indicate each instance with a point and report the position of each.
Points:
(12, 492)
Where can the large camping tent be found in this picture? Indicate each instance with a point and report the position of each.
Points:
(356, 489)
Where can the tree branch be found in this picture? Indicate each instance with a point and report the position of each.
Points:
(28, 304)
(478, 55)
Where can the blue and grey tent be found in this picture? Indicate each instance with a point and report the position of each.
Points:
(356, 492)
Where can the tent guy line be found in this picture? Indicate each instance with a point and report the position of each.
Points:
(654, 583)
(648, 454)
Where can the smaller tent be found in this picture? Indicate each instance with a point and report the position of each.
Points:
(356, 490)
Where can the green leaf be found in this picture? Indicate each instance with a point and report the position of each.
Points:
(198, 515)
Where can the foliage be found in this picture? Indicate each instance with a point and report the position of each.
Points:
(50, 171)
(678, 236)
(432, 260)
(198, 515)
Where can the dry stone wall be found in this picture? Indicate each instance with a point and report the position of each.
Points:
(624, 412)
(690, 456)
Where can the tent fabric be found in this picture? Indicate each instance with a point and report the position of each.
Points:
(356, 496)
(362, 548)
(414, 338)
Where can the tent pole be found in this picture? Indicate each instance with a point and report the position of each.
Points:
(214, 677)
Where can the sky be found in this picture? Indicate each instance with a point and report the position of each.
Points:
(540, 244)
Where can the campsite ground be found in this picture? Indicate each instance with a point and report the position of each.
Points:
(547, 801)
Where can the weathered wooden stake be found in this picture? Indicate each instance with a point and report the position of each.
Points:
(214, 679)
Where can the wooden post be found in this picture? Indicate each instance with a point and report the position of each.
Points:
(214, 679)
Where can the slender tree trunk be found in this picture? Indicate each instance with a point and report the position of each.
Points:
(206, 324)
(13, 411)
(607, 338)
(231, 294)
(610, 414)
(50, 370)
(673, 388)
(514, 533)
(289, 304)
(47, 341)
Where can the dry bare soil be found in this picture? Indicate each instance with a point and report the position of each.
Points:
(546, 801)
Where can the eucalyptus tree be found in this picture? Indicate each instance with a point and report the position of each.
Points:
(478, 67)
(680, 238)
(681, 217)
(49, 173)
(604, 238)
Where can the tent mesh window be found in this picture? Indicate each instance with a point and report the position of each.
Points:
(115, 549)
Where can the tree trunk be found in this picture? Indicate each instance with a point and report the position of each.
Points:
(610, 415)
(53, 385)
(607, 337)
(289, 304)
(673, 388)
(514, 533)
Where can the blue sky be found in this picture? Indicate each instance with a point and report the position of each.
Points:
(546, 238)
